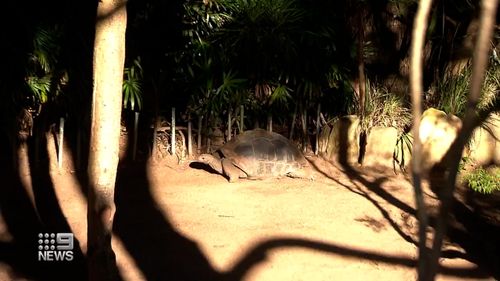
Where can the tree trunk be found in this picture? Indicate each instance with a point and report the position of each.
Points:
(304, 130)
(136, 135)
(361, 64)
(198, 142)
(229, 127)
(416, 85)
(242, 119)
(156, 125)
(172, 133)
(292, 126)
(470, 122)
(318, 126)
(270, 122)
(108, 63)
(190, 137)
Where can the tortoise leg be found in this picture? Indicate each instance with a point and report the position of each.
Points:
(305, 173)
(230, 170)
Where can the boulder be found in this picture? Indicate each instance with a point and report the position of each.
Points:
(380, 145)
(342, 142)
(437, 132)
(484, 146)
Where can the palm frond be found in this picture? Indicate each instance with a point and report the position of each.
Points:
(132, 86)
(39, 87)
(280, 95)
(45, 48)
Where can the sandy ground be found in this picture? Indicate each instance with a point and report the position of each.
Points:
(184, 222)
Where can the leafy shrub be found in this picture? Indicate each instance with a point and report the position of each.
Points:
(484, 181)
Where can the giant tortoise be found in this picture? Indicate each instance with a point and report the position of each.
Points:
(258, 154)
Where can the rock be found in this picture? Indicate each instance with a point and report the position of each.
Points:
(380, 145)
(342, 143)
(484, 148)
(437, 132)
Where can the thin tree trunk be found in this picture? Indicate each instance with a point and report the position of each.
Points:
(190, 137)
(304, 130)
(60, 143)
(361, 64)
(156, 125)
(172, 131)
(270, 123)
(362, 90)
(200, 124)
(229, 123)
(318, 120)
(37, 148)
(454, 154)
(136, 133)
(242, 119)
(294, 117)
(416, 84)
(108, 62)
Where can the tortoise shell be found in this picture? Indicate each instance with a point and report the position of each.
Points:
(260, 153)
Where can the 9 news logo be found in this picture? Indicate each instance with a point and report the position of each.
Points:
(55, 246)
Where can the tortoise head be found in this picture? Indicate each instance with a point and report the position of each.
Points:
(212, 161)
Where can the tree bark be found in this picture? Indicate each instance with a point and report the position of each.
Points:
(108, 63)
(416, 85)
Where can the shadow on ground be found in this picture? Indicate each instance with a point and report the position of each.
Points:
(25, 220)
(475, 233)
(159, 250)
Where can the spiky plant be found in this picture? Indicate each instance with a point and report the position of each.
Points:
(132, 86)
(43, 79)
(453, 89)
(384, 109)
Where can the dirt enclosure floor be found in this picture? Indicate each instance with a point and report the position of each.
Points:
(184, 222)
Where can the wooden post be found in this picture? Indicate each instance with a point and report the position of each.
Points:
(157, 122)
(229, 123)
(189, 140)
(136, 132)
(304, 130)
(242, 118)
(292, 126)
(61, 141)
(154, 150)
(198, 143)
(173, 131)
(316, 146)
(269, 122)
